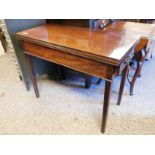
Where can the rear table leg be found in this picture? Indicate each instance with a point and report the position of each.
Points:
(88, 81)
(125, 71)
(98, 81)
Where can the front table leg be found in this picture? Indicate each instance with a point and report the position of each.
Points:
(107, 93)
(32, 74)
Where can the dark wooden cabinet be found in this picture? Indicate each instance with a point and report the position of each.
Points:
(73, 22)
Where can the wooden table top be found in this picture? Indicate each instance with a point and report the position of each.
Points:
(132, 29)
(106, 47)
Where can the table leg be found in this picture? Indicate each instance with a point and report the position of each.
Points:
(32, 75)
(60, 72)
(98, 81)
(122, 84)
(107, 93)
(88, 81)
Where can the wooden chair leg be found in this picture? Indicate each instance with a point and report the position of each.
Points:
(32, 75)
(107, 93)
(139, 58)
(124, 75)
(88, 81)
(139, 75)
(137, 72)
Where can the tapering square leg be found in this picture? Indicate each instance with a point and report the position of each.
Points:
(107, 94)
(60, 72)
(124, 75)
(88, 81)
(32, 74)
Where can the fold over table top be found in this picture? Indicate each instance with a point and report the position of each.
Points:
(108, 47)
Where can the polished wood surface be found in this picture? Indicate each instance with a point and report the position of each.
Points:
(99, 54)
(108, 47)
(132, 28)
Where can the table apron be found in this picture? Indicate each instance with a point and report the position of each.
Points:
(78, 63)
